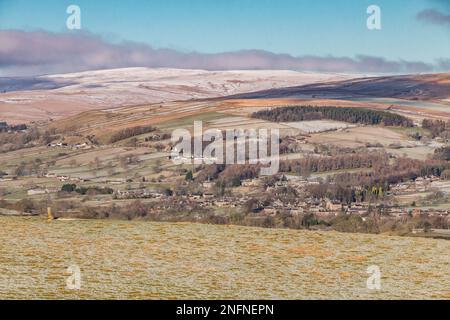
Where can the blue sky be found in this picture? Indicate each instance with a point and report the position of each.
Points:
(297, 27)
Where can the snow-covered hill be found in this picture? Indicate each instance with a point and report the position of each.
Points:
(56, 96)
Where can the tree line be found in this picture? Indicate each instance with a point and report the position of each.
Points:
(312, 164)
(5, 127)
(442, 153)
(437, 127)
(232, 176)
(130, 132)
(15, 140)
(346, 114)
(360, 186)
(228, 176)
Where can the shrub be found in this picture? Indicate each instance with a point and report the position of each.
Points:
(69, 187)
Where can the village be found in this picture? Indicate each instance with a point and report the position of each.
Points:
(322, 208)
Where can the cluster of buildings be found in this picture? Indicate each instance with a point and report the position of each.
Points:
(63, 178)
(76, 146)
(138, 194)
(40, 191)
(326, 207)
(295, 206)
(419, 185)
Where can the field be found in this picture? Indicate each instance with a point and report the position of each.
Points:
(360, 136)
(144, 260)
(318, 126)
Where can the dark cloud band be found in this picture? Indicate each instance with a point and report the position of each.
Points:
(31, 53)
(434, 17)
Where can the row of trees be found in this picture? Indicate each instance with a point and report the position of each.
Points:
(86, 190)
(347, 114)
(359, 186)
(5, 127)
(437, 127)
(130, 132)
(312, 164)
(227, 176)
(10, 141)
(234, 174)
(442, 153)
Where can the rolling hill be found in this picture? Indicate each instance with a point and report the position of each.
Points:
(428, 87)
(58, 96)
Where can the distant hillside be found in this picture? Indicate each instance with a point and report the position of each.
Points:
(410, 87)
(58, 96)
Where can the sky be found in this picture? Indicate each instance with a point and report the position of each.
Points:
(312, 35)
